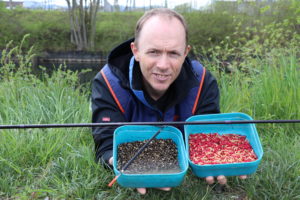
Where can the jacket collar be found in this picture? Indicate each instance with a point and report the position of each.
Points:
(139, 93)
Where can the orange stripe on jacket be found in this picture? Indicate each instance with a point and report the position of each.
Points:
(199, 91)
(113, 93)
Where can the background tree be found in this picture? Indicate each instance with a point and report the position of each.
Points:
(10, 4)
(116, 5)
(82, 15)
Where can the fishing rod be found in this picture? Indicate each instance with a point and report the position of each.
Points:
(78, 125)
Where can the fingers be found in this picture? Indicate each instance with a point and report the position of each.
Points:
(210, 180)
(141, 190)
(243, 177)
(165, 189)
(222, 179)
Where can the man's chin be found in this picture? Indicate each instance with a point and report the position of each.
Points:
(160, 91)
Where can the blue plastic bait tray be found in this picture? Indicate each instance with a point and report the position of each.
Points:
(231, 169)
(131, 133)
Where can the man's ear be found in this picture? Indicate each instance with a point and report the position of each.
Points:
(187, 50)
(135, 51)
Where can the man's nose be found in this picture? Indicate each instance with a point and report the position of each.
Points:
(163, 62)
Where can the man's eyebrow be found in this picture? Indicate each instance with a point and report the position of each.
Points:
(153, 49)
(172, 51)
(175, 52)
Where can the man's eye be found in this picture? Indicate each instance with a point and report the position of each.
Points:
(154, 52)
(174, 54)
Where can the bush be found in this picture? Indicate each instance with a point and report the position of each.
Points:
(111, 29)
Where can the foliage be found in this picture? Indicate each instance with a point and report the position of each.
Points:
(2, 6)
(271, 91)
(182, 8)
(224, 27)
(16, 76)
(15, 64)
(50, 32)
(112, 30)
(208, 29)
(253, 37)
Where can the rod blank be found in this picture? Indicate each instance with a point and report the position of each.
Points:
(82, 125)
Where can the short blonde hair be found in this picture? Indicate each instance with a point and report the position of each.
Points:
(159, 12)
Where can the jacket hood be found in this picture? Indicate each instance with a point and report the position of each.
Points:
(119, 59)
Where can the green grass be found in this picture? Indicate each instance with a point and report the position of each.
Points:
(59, 163)
(270, 92)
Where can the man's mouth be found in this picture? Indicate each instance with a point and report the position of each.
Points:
(161, 77)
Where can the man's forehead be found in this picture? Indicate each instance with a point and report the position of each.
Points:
(163, 18)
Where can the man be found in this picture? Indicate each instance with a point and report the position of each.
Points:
(150, 78)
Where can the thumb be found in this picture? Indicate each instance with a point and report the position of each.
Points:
(141, 190)
(110, 161)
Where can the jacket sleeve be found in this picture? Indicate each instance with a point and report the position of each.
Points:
(210, 96)
(104, 109)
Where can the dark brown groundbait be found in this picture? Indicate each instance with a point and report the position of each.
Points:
(160, 156)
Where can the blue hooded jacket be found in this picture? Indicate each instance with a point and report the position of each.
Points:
(117, 96)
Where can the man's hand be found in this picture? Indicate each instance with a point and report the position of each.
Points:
(144, 190)
(221, 179)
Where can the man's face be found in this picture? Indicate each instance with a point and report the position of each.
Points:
(160, 50)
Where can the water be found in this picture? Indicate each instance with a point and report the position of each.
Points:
(74, 61)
